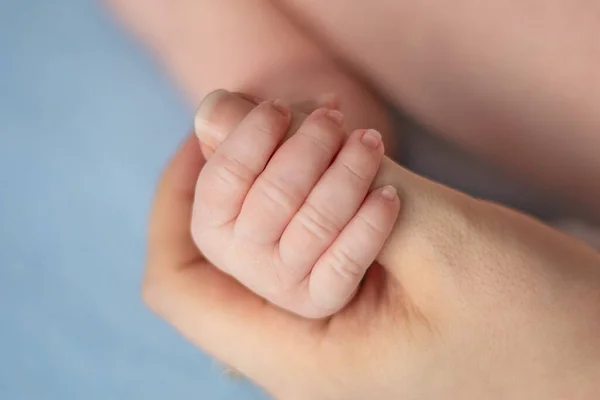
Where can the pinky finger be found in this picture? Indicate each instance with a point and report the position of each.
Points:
(337, 274)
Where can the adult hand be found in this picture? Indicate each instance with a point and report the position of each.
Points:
(475, 301)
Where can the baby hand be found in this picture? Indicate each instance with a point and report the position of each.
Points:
(295, 222)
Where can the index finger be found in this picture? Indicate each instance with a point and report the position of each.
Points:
(208, 307)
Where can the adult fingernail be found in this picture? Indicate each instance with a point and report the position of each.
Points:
(336, 117)
(371, 139)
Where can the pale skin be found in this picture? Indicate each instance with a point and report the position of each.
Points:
(514, 81)
(285, 63)
(293, 221)
(467, 300)
(501, 307)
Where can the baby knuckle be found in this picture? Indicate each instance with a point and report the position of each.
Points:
(320, 143)
(322, 136)
(320, 222)
(345, 265)
(357, 170)
(231, 172)
(371, 224)
(266, 120)
(278, 193)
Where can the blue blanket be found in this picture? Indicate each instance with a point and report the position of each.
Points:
(86, 125)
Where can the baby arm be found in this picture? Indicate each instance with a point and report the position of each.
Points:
(247, 46)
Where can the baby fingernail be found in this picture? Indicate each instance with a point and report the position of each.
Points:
(252, 99)
(389, 193)
(371, 139)
(329, 100)
(336, 117)
(281, 106)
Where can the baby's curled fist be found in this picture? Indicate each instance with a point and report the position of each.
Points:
(285, 202)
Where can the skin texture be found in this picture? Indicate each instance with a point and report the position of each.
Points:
(294, 222)
(469, 300)
(474, 301)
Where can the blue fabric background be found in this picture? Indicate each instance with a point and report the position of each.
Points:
(86, 125)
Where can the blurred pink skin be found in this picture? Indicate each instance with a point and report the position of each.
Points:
(292, 217)
(221, 111)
